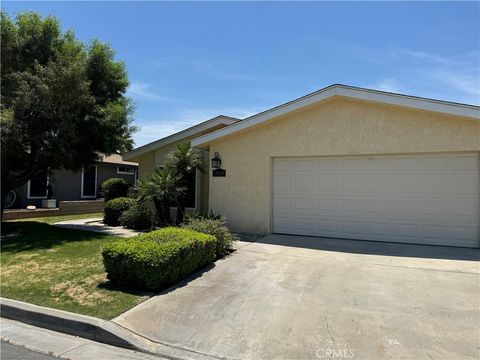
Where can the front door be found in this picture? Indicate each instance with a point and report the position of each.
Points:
(89, 182)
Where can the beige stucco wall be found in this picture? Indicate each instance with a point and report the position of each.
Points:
(339, 126)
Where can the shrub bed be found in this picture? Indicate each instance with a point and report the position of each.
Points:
(159, 259)
(114, 209)
(216, 227)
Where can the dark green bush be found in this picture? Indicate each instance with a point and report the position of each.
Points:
(114, 209)
(114, 188)
(159, 259)
(216, 227)
(137, 217)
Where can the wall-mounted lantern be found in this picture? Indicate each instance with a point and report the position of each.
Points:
(216, 161)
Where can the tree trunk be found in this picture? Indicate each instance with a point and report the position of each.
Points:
(180, 209)
(166, 213)
(159, 210)
(2, 200)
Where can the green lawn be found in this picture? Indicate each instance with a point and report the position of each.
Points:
(60, 268)
(54, 219)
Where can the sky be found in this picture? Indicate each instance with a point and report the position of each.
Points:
(190, 61)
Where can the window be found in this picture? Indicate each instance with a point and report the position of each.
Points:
(37, 187)
(125, 170)
(89, 182)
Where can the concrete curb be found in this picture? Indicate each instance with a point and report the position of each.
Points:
(91, 328)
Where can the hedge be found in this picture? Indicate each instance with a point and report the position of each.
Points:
(159, 259)
(114, 188)
(115, 208)
(137, 217)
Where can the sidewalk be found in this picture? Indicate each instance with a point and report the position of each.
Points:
(96, 224)
(64, 346)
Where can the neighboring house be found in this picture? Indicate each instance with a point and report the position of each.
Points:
(347, 162)
(83, 185)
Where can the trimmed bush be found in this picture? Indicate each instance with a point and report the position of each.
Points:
(114, 188)
(159, 259)
(137, 217)
(216, 227)
(114, 209)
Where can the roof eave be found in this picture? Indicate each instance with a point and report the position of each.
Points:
(465, 110)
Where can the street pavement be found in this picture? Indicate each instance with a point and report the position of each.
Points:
(15, 352)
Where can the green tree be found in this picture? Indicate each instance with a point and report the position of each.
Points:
(62, 102)
(162, 188)
(186, 161)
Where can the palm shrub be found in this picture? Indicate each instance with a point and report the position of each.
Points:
(162, 188)
(216, 227)
(114, 188)
(185, 161)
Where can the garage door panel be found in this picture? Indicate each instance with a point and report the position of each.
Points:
(304, 185)
(303, 203)
(283, 184)
(326, 225)
(283, 165)
(431, 199)
(305, 165)
(325, 184)
(326, 204)
(283, 203)
(326, 165)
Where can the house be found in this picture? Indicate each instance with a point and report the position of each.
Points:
(343, 162)
(67, 185)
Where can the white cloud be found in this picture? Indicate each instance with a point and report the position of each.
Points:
(390, 85)
(455, 77)
(144, 91)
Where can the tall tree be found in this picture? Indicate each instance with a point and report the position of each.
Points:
(63, 102)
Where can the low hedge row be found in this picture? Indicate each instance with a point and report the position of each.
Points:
(159, 259)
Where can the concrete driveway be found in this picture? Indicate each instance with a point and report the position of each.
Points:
(292, 297)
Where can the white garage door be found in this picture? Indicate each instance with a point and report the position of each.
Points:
(425, 199)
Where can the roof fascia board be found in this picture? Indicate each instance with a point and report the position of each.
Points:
(344, 91)
(191, 131)
(411, 102)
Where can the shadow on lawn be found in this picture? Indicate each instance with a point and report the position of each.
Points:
(30, 235)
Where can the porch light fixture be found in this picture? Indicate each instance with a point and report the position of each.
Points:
(216, 161)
